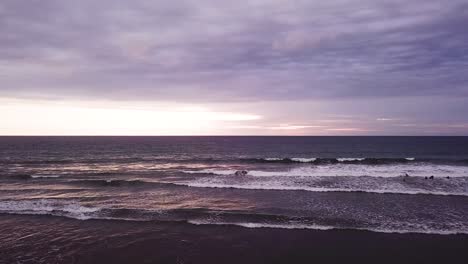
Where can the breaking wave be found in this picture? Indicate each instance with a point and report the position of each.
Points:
(368, 161)
(324, 227)
(75, 210)
(38, 176)
(278, 186)
(350, 170)
(70, 209)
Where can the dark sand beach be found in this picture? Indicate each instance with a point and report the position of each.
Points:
(48, 239)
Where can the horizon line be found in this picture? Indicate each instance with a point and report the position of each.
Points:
(233, 135)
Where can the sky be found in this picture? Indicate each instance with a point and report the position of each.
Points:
(210, 67)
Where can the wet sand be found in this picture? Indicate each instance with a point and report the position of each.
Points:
(48, 239)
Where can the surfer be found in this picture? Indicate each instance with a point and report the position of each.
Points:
(241, 173)
(406, 176)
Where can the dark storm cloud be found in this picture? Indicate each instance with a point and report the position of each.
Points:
(219, 51)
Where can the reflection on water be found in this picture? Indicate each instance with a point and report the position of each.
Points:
(388, 185)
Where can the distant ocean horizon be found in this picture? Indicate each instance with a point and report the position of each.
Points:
(381, 184)
(231, 136)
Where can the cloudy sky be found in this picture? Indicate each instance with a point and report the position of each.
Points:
(261, 67)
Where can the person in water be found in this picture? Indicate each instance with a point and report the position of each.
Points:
(241, 173)
(405, 176)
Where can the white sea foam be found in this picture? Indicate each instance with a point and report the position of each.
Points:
(44, 176)
(345, 178)
(279, 186)
(70, 209)
(262, 225)
(304, 160)
(353, 170)
(323, 227)
(350, 159)
(341, 159)
(273, 159)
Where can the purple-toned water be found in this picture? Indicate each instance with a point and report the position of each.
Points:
(383, 184)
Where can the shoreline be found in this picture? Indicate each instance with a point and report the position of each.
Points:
(53, 239)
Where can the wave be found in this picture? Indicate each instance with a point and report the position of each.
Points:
(94, 182)
(109, 182)
(262, 225)
(70, 161)
(117, 160)
(119, 183)
(32, 176)
(318, 161)
(282, 187)
(38, 176)
(33, 162)
(49, 207)
(324, 228)
(446, 180)
(165, 162)
(73, 209)
(211, 171)
(20, 176)
(348, 170)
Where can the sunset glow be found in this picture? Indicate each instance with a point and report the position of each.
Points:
(101, 118)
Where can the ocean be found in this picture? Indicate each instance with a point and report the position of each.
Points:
(380, 184)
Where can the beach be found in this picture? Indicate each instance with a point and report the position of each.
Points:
(46, 239)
